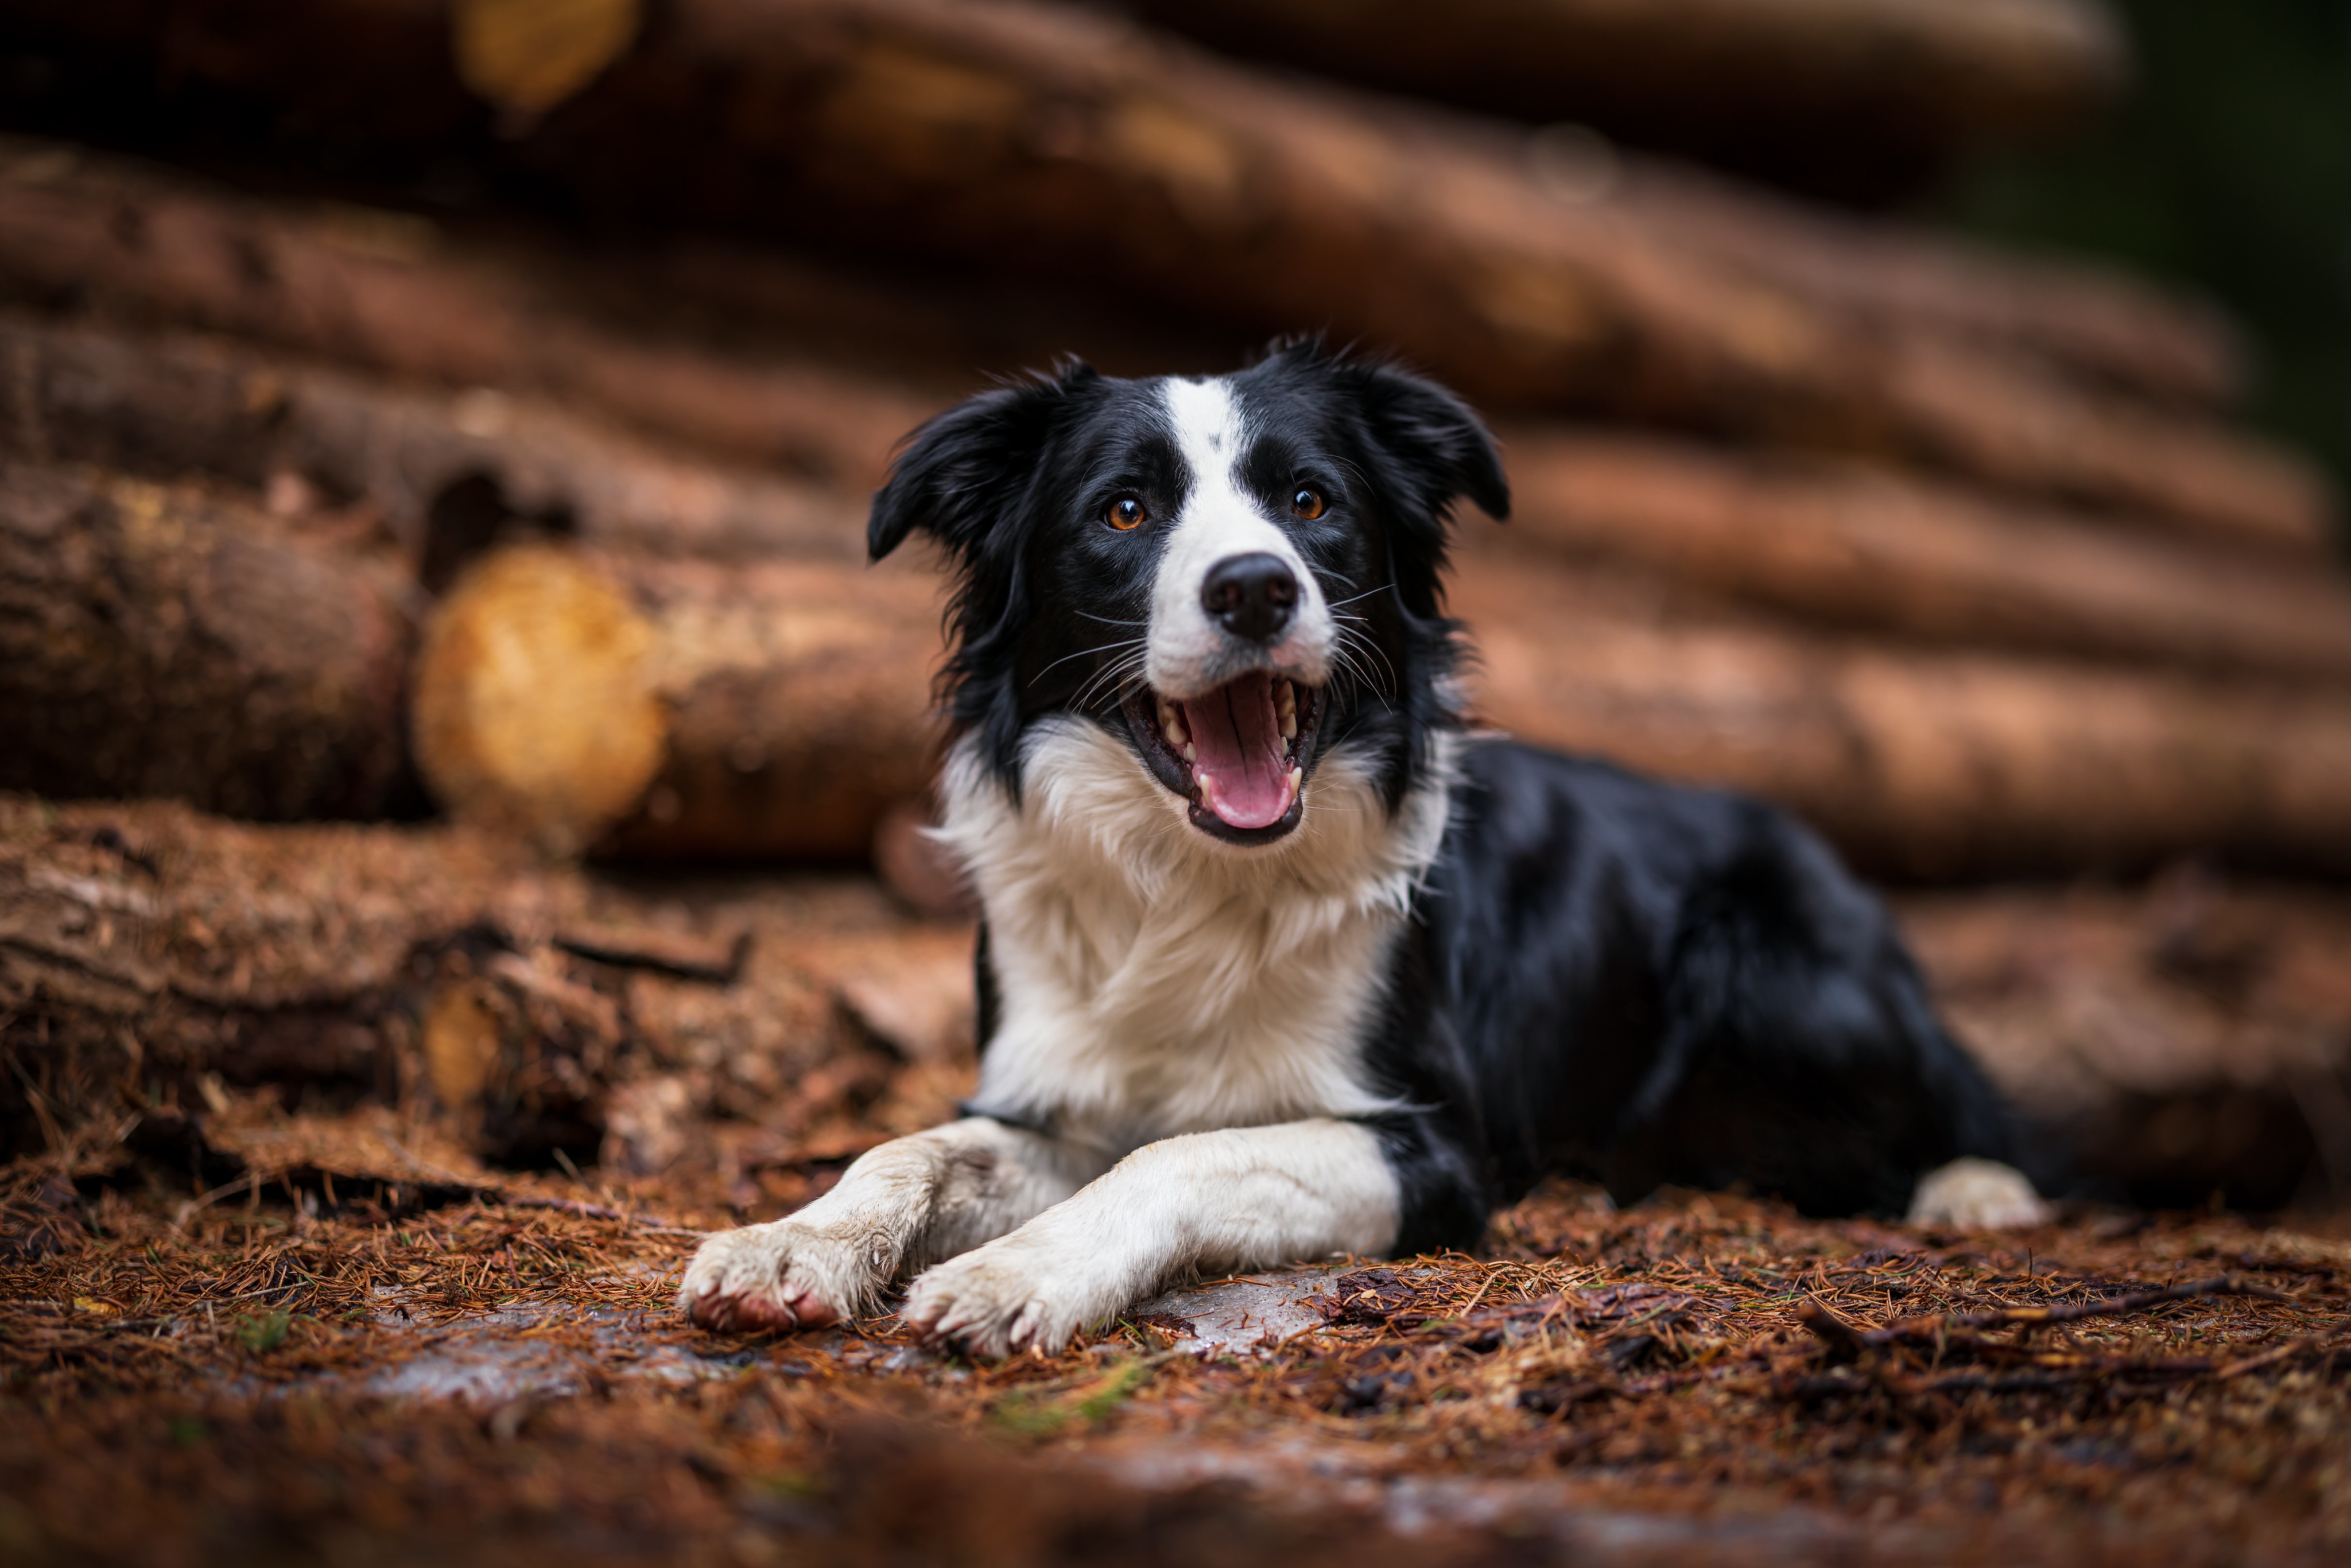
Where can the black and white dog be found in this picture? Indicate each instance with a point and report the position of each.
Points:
(1279, 960)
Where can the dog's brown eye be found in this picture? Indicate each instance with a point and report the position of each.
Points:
(1307, 505)
(1124, 513)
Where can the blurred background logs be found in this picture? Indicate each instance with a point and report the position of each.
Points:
(454, 419)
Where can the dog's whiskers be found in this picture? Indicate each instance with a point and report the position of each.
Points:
(1358, 672)
(1362, 640)
(1082, 652)
(1117, 673)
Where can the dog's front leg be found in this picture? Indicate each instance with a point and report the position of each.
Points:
(1246, 1197)
(907, 1203)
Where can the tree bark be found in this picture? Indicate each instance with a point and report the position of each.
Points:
(445, 473)
(162, 641)
(2189, 1035)
(1916, 764)
(1847, 545)
(1036, 140)
(1855, 96)
(391, 294)
(147, 949)
(652, 709)
(2109, 329)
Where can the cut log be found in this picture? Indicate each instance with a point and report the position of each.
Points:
(445, 473)
(1915, 764)
(391, 293)
(2106, 327)
(1032, 138)
(796, 717)
(2189, 1037)
(644, 708)
(144, 945)
(308, 67)
(1849, 545)
(147, 950)
(1858, 97)
(159, 641)
(1876, 549)
(2183, 1037)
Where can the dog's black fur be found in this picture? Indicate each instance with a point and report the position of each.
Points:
(1603, 975)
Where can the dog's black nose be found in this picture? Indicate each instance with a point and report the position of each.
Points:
(1250, 596)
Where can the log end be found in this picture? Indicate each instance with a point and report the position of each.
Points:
(535, 709)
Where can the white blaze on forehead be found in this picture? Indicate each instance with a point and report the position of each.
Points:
(1189, 652)
(1207, 421)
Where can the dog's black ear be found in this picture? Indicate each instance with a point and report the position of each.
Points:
(961, 473)
(1438, 447)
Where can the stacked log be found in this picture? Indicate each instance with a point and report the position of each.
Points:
(1859, 98)
(156, 964)
(1852, 545)
(380, 291)
(154, 956)
(1032, 137)
(1920, 765)
(541, 707)
(1845, 598)
(668, 709)
(163, 641)
(1958, 554)
(445, 474)
(1840, 542)
(2184, 1040)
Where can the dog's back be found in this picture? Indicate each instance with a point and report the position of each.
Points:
(1654, 984)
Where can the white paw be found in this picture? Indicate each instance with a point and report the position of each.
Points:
(1012, 1294)
(786, 1275)
(1977, 1195)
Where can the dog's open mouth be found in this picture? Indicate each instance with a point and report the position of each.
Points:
(1238, 753)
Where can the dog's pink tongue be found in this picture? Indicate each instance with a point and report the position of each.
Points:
(1238, 752)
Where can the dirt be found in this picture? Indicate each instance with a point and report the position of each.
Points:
(361, 1349)
(245, 1320)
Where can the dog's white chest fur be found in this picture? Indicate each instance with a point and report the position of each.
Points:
(1152, 981)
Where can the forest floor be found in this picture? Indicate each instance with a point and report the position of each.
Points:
(257, 1337)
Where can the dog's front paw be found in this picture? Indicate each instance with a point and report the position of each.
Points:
(1002, 1298)
(785, 1275)
(1977, 1195)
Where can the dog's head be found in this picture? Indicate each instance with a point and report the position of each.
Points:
(1236, 576)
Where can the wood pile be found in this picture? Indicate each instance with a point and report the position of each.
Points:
(1863, 98)
(2181, 1041)
(515, 469)
(153, 956)
(1049, 142)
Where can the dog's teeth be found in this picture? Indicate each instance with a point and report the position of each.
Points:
(1297, 777)
(1290, 724)
(1190, 753)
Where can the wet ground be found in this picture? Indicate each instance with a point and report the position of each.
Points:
(337, 1366)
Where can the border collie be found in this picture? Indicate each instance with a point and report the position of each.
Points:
(1278, 958)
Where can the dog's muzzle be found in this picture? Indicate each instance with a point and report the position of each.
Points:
(1238, 752)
